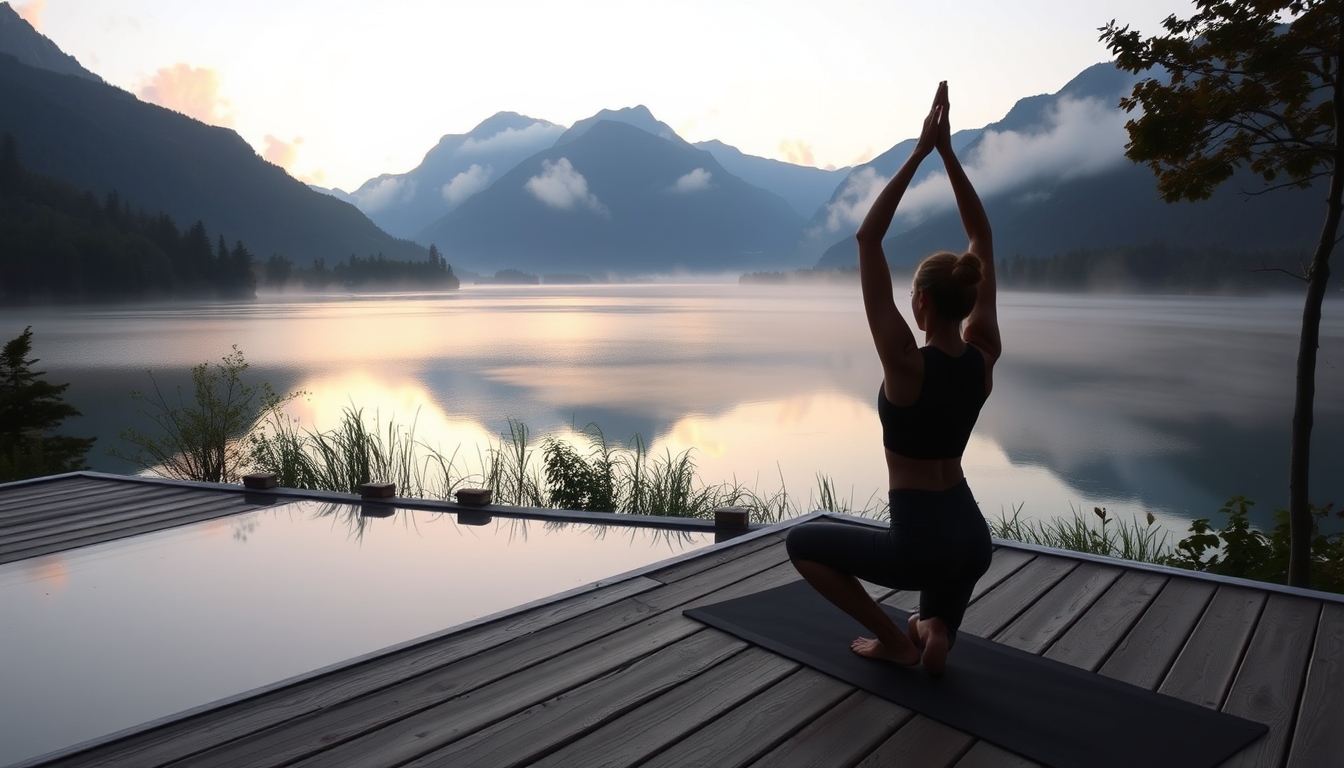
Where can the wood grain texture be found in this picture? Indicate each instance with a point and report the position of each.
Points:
(999, 606)
(1269, 682)
(840, 737)
(1037, 627)
(713, 560)
(1101, 629)
(1151, 646)
(1203, 671)
(675, 715)
(1318, 739)
(553, 722)
(923, 742)
(752, 729)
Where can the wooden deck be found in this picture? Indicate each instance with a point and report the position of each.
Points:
(617, 676)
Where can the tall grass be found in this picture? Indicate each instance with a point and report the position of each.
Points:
(519, 470)
(1098, 534)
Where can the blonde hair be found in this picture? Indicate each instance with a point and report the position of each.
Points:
(950, 281)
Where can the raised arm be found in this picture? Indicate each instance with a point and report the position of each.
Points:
(896, 345)
(982, 326)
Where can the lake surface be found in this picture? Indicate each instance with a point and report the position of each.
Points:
(1162, 404)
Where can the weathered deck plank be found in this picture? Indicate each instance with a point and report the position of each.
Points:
(986, 755)
(450, 702)
(709, 561)
(1269, 682)
(840, 737)
(922, 742)
(672, 717)
(1203, 671)
(1038, 626)
(99, 534)
(1148, 650)
(1319, 736)
(91, 501)
(999, 606)
(752, 729)
(553, 722)
(1097, 632)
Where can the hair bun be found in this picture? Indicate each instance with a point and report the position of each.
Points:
(967, 270)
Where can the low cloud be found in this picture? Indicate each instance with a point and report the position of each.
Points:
(695, 181)
(1081, 137)
(536, 134)
(855, 198)
(385, 193)
(797, 152)
(193, 91)
(466, 184)
(282, 153)
(560, 186)
(31, 12)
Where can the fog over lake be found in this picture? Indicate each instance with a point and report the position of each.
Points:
(1168, 404)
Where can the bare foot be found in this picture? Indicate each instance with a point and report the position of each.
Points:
(874, 649)
(914, 631)
(934, 657)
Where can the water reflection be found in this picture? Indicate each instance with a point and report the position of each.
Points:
(1170, 404)
(299, 586)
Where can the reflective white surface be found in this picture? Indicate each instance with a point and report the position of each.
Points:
(108, 637)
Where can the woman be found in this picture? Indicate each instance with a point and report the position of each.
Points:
(929, 400)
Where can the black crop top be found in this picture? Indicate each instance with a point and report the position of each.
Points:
(939, 423)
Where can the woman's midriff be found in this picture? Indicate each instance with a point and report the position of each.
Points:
(923, 474)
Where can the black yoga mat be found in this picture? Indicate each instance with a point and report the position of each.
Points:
(1041, 709)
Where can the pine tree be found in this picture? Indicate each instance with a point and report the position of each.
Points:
(30, 409)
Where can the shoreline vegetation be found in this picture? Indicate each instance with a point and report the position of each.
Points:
(231, 428)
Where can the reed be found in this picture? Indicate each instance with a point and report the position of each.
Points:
(1099, 534)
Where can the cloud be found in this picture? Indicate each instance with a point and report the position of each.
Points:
(855, 198)
(193, 91)
(1081, 137)
(797, 152)
(386, 192)
(695, 181)
(280, 152)
(560, 186)
(536, 134)
(31, 12)
(466, 184)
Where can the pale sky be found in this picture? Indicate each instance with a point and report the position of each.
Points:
(338, 92)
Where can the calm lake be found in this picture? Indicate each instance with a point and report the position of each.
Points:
(1162, 404)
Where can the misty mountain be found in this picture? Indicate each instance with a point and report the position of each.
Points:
(618, 198)
(638, 116)
(101, 138)
(804, 188)
(1054, 180)
(459, 166)
(20, 40)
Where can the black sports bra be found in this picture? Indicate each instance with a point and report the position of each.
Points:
(939, 423)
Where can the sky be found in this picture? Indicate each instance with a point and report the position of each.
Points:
(339, 92)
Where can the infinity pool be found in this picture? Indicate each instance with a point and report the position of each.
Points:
(108, 637)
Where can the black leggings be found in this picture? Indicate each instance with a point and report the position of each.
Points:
(938, 543)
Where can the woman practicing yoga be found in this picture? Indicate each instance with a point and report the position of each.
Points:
(930, 397)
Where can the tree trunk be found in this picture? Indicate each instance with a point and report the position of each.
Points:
(1300, 524)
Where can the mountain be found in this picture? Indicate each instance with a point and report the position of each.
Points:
(459, 166)
(617, 198)
(638, 116)
(805, 189)
(19, 39)
(1054, 180)
(103, 139)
